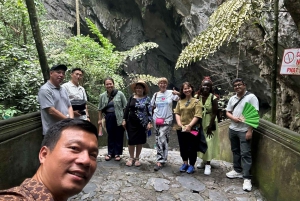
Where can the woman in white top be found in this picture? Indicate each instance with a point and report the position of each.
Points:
(162, 120)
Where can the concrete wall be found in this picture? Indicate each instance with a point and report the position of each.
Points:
(276, 160)
(20, 141)
(275, 150)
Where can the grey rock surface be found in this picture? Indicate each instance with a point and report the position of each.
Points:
(114, 181)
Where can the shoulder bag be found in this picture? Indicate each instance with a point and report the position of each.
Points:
(78, 104)
(247, 93)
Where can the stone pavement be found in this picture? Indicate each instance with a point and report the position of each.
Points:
(114, 181)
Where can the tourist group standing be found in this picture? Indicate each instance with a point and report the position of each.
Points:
(195, 114)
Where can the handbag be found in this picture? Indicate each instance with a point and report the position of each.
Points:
(194, 132)
(78, 104)
(159, 121)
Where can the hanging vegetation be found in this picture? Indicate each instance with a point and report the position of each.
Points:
(224, 24)
(97, 60)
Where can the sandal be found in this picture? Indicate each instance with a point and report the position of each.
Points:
(137, 162)
(158, 166)
(129, 162)
(107, 157)
(117, 158)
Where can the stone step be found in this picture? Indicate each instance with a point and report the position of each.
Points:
(113, 180)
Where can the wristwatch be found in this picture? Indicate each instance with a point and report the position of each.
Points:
(87, 116)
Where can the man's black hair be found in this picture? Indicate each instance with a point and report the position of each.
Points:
(75, 69)
(53, 134)
(238, 80)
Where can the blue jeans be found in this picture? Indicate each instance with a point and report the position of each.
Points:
(241, 150)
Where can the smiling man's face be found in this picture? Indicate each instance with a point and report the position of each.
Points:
(70, 165)
(239, 88)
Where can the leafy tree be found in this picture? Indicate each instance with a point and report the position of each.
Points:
(97, 60)
(224, 24)
(21, 75)
(34, 22)
(20, 72)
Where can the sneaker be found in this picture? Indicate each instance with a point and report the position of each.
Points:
(247, 186)
(233, 174)
(200, 165)
(207, 170)
(190, 170)
(184, 167)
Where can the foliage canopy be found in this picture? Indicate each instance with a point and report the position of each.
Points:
(19, 65)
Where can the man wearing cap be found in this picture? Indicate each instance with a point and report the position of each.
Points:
(54, 101)
(77, 92)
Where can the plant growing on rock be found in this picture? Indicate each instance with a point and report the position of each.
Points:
(98, 60)
(224, 24)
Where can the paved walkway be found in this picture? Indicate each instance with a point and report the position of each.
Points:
(114, 181)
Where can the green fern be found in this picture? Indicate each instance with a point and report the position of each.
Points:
(224, 24)
(104, 41)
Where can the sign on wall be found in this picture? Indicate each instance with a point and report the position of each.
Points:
(290, 62)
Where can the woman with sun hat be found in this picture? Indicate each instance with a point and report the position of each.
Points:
(137, 121)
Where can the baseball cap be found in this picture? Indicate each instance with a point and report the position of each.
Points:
(59, 66)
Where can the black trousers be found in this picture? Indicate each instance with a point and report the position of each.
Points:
(115, 135)
(188, 146)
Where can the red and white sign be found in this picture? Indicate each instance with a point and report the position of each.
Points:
(290, 62)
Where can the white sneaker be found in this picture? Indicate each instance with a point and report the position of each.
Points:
(201, 165)
(233, 174)
(207, 170)
(247, 186)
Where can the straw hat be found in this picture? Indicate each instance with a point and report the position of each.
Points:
(132, 86)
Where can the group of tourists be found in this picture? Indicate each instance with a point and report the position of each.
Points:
(196, 124)
(69, 148)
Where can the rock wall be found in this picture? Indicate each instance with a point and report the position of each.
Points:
(172, 24)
